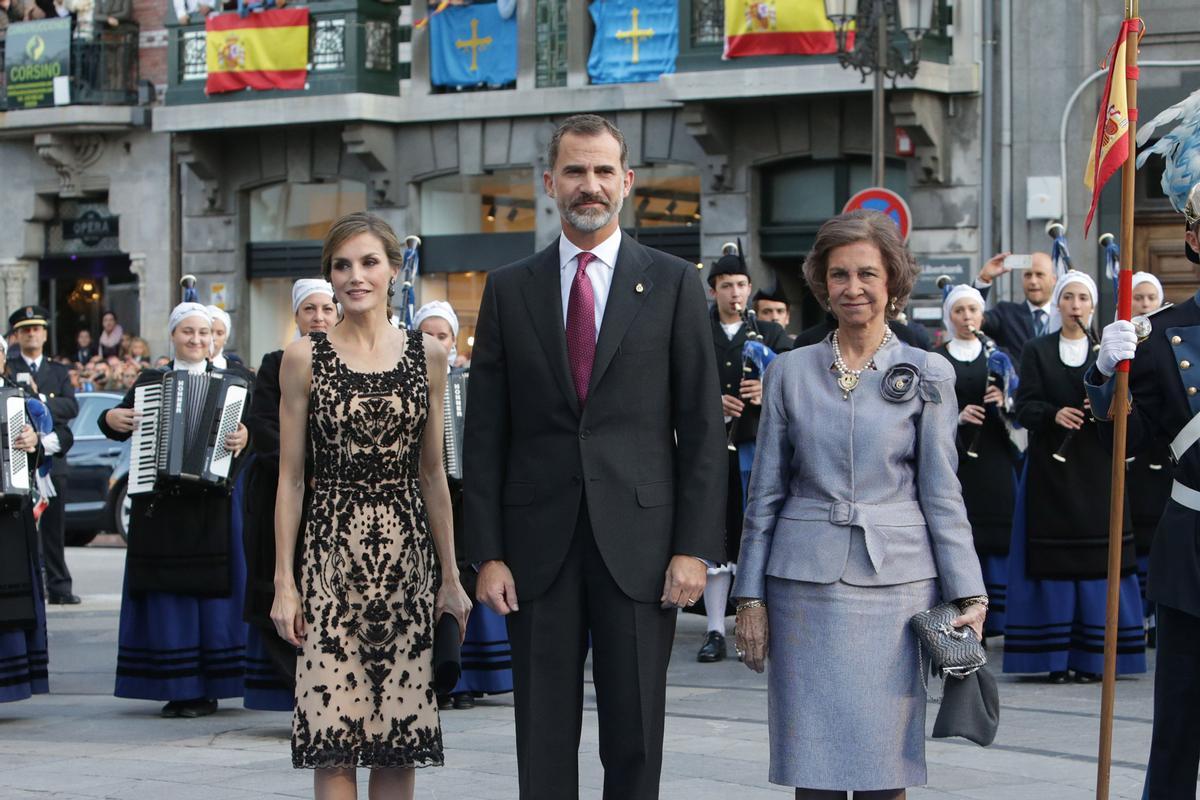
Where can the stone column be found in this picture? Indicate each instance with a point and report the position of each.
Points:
(18, 282)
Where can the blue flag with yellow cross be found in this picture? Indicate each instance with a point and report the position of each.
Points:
(635, 41)
(472, 45)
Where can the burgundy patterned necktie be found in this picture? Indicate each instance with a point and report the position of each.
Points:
(581, 328)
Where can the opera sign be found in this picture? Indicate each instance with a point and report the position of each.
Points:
(91, 227)
(35, 53)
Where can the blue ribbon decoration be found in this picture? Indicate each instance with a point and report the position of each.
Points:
(410, 269)
(759, 355)
(1060, 254)
(1112, 268)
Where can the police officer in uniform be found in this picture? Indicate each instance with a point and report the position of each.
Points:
(741, 399)
(50, 381)
(1164, 381)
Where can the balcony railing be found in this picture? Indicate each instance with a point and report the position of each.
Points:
(353, 46)
(104, 68)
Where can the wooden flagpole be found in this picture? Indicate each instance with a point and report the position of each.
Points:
(1120, 419)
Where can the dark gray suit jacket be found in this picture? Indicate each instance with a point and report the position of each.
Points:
(647, 452)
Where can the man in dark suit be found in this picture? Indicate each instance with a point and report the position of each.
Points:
(1011, 324)
(741, 401)
(596, 455)
(51, 382)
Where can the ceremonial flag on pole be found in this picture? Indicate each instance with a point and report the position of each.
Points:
(1110, 140)
(266, 50)
(779, 27)
(636, 40)
(472, 46)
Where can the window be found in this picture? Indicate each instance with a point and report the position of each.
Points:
(502, 202)
(665, 196)
(708, 23)
(551, 34)
(288, 212)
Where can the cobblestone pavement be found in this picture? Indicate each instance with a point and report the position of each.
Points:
(80, 742)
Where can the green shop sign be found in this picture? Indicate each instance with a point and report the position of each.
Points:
(35, 53)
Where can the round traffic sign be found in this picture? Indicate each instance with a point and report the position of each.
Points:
(884, 201)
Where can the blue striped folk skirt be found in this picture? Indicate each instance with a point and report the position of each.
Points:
(486, 654)
(845, 700)
(183, 647)
(1056, 625)
(995, 582)
(265, 688)
(23, 655)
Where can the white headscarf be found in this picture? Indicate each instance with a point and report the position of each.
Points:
(218, 356)
(442, 309)
(437, 308)
(1072, 276)
(304, 287)
(1146, 277)
(960, 292)
(181, 312)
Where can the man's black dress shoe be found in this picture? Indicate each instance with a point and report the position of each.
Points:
(444, 702)
(464, 700)
(171, 709)
(713, 648)
(67, 599)
(1059, 677)
(1088, 677)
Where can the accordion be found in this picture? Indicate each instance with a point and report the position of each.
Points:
(15, 480)
(181, 436)
(454, 417)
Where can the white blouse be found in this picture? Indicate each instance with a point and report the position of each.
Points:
(965, 350)
(1073, 352)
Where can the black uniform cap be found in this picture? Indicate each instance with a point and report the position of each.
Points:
(28, 315)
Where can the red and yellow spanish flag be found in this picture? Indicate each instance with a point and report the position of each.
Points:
(1110, 140)
(778, 27)
(265, 50)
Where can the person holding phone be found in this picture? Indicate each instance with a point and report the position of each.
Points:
(1011, 324)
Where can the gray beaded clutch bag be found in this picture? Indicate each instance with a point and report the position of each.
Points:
(953, 651)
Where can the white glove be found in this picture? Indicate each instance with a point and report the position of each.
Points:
(1119, 343)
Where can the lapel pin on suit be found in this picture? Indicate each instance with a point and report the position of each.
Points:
(639, 288)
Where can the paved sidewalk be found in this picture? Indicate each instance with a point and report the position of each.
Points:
(80, 742)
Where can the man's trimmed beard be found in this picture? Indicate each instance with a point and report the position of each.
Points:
(590, 221)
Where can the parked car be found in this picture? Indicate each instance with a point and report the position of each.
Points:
(92, 499)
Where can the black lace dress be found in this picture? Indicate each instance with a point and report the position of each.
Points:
(369, 572)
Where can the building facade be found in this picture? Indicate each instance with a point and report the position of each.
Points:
(238, 189)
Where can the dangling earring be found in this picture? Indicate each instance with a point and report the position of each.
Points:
(392, 288)
(892, 306)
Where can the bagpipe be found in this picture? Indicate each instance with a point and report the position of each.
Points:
(1000, 373)
(756, 356)
(1061, 453)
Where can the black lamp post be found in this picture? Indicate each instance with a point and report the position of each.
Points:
(877, 25)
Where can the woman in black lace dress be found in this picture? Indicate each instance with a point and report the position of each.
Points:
(378, 563)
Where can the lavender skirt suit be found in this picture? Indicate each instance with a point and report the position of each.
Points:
(855, 522)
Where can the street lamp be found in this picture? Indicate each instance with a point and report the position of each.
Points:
(873, 50)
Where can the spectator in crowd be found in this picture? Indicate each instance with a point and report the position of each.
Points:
(139, 350)
(110, 334)
(1013, 324)
(186, 10)
(161, 361)
(10, 11)
(85, 349)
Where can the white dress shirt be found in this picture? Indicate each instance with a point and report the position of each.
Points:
(599, 272)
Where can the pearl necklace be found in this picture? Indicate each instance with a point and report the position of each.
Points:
(848, 378)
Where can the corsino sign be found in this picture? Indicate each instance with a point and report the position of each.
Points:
(91, 227)
(35, 53)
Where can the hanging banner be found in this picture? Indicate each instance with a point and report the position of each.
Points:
(35, 53)
(779, 27)
(636, 40)
(472, 46)
(263, 50)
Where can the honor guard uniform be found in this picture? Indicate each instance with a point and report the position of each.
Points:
(732, 327)
(51, 381)
(1164, 381)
